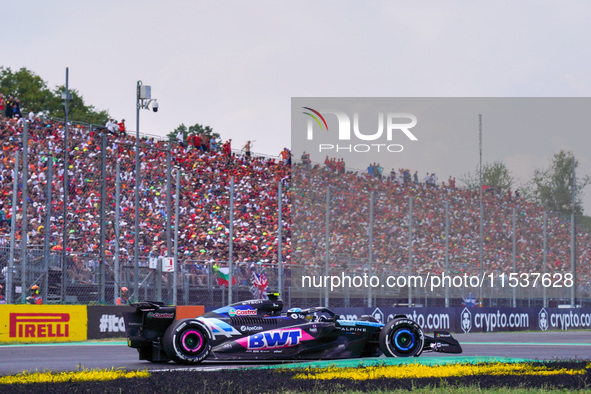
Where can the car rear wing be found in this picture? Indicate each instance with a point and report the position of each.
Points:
(147, 305)
(149, 320)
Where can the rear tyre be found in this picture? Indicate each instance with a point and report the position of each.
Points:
(187, 341)
(402, 338)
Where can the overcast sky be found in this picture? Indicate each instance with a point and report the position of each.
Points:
(234, 65)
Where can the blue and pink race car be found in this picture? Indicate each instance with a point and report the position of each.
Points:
(259, 330)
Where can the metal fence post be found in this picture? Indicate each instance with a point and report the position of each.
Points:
(168, 203)
(185, 289)
(446, 252)
(66, 190)
(410, 241)
(513, 238)
(573, 241)
(177, 198)
(117, 279)
(102, 282)
(46, 254)
(545, 261)
(231, 241)
(158, 278)
(25, 225)
(10, 276)
(326, 257)
(369, 290)
(280, 240)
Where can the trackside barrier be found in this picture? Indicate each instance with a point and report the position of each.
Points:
(466, 320)
(69, 323)
(43, 323)
(106, 321)
(64, 323)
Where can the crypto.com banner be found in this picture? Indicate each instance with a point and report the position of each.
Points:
(419, 158)
(467, 320)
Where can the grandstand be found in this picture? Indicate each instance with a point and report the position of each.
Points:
(204, 199)
(204, 221)
(350, 220)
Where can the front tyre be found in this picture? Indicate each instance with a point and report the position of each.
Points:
(402, 338)
(187, 341)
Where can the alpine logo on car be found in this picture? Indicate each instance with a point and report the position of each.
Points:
(354, 329)
(219, 327)
(242, 312)
(275, 339)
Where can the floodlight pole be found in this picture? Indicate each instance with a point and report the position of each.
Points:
(136, 241)
(10, 273)
(370, 265)
(65, 210)
(143, 100)
(481, 237)
(573, 238)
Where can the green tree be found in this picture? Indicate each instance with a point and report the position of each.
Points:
(34, 95)
(552, 187)
(494, 174)
(77, 109)
(193, 130)
(172, 135)
(29, 88)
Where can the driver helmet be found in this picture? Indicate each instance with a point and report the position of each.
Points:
(34, 289)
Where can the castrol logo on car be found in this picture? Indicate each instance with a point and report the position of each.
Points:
(242, 312)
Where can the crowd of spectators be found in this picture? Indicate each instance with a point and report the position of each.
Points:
(10, 107)
(204, 203)
(350, 221)
(205, 197)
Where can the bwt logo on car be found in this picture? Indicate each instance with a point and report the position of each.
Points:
(111, 323)
(39, 325)
(391, 119)
(276, 339)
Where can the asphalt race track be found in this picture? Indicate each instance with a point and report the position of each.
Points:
(66, 357)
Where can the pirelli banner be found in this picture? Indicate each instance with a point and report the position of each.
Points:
(467, 320)
(43, 323)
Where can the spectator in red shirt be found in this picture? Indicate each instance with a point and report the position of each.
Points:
(121, 126)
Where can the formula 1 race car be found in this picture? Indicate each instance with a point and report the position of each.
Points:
(259, 330)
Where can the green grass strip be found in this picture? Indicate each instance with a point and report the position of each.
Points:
(362, 362)
(417, 371)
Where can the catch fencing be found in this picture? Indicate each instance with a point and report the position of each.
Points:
(319, 237)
